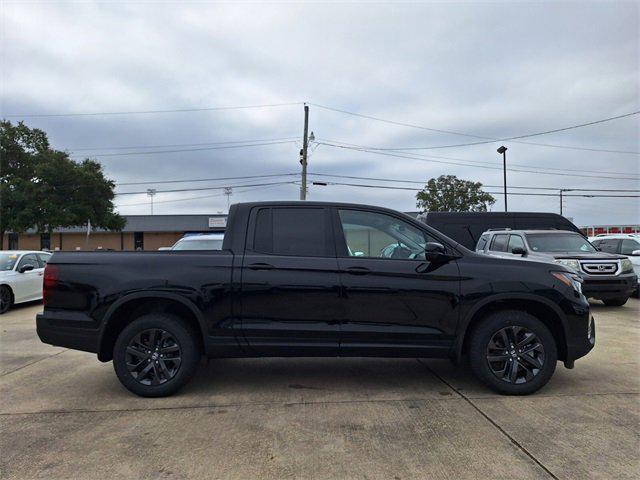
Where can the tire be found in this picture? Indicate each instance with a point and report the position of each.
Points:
(615, 302)
(160, 371)
(488, 337)
(6, 299)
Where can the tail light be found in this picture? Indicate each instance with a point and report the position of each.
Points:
(50, 282)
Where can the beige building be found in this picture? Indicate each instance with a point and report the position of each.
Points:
(141, 232)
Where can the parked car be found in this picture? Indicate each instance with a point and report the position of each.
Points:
(307, 279)
(466, 227)
(624, 244)
(21, 273)
(206, 241)
(607, 276)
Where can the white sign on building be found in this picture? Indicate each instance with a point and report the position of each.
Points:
(217, 222)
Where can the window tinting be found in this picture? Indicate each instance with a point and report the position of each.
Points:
(609, 245)
(515, 241)
(291, 231)
(371, 234)
(629, 246)
(499, 243)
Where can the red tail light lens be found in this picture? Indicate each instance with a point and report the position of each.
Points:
(50, 282)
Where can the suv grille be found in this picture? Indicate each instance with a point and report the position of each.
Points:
(608, 268)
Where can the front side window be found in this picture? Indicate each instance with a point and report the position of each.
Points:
(29, 259)
(629, 246)
(499, 243)
(559, 242)
(609, 245)
(291, 231)
(377, 235)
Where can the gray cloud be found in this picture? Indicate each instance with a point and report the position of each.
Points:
(492, 70)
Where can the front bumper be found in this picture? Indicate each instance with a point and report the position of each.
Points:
(68, 329)
(609, 286)
(580, 330)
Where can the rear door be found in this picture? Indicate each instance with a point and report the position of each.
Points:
(397, 303)
(290, 296)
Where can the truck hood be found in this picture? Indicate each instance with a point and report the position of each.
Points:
(586, 256)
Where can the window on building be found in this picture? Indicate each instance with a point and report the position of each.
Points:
(13, 241)
(138, 240)
(45, 241)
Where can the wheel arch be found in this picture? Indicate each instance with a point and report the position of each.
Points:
(128, 308)
(544, 310)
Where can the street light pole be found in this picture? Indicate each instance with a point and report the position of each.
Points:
(303, 154)
(151, 193)
(503, 151)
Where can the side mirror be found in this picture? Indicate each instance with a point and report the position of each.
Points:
(26, 268)
(434, 251)
(518, 251)
(635, 253)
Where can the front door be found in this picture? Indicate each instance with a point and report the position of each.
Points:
(397, 303)
(29, 283)
(290, 302)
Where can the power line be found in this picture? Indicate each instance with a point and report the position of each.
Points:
(190, 180)
(82, 149)
(488, 186)
(391, 187)
(220, 147)
(374, 149)
(203, 188)
(144, 112)
(425, 158)
(487, 139)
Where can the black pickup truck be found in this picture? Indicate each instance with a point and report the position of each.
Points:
(316, 279)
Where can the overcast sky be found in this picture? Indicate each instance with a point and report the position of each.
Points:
(491, 70)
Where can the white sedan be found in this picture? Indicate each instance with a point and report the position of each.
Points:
(21, 275)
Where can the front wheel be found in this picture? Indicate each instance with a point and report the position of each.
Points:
(513, 352)
(615, 302)
(6, 299)
(155, 355)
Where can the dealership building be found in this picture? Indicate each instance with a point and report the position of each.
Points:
(141, 232)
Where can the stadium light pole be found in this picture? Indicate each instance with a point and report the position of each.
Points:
(503, 151)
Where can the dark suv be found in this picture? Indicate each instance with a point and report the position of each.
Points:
(607, 277)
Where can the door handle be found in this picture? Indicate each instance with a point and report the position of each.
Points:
(358, 271)
(261, 266)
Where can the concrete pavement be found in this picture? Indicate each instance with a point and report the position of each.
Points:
(64, 415)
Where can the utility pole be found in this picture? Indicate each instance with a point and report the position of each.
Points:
(503, 151)
(560, 201)
(151, 192)
(303, 154)
(228, 191)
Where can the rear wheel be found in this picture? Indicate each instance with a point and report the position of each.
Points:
(615, 302)
(513, 352)
(155, 355)
(6, 299)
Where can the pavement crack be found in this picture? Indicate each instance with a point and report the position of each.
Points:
(34, 362)
(492, 422)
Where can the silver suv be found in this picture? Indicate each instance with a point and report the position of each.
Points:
(607, 277)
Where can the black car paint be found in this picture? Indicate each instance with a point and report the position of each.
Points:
(249, 304)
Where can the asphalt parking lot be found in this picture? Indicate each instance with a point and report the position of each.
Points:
(65, 415)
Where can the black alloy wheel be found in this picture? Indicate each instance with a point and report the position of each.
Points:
(6, 299)
(515, 354)
(153, 357)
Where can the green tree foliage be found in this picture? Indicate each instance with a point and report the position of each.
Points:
(44, 189)
(448, 193)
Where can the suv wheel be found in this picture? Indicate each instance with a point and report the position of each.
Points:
(615, 302)
(155, 355)
(513, 352)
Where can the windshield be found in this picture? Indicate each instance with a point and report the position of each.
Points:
(202, 244)
(7, 261)
(554, 242)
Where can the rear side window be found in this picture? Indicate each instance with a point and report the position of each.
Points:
(629, 246)
(292, 231)
(44, 258)
(499, 243)
(482, 242)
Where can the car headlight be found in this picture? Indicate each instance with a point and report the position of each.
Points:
(570, 279)
(569, 262)
(626, 265)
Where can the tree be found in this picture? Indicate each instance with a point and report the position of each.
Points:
(43, 188)
(448, 193)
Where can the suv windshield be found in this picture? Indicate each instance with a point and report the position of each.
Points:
(563, 242)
